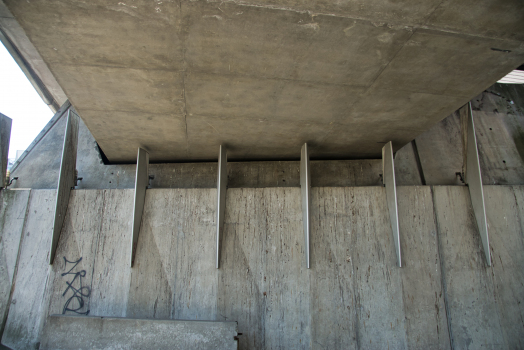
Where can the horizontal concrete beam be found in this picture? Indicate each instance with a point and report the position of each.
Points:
(128, 333)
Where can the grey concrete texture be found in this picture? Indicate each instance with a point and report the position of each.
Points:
(77, 332)
(353, 296)
(28, 308)
(12, 218)
(264, 78)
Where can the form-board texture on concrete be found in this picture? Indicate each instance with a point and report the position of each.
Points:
(353, 296)
(108, 333)
(182, 77)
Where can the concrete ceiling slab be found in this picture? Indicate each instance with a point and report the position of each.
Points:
(122, 89)
(491, 18)
(141, 129)
(449, 64)
(263, 77)
(272, 99)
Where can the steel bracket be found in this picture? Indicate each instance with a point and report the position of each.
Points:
(305, 188)
(388, 169)
(473, 178)
(5, 137)
(221, 197)
(66, 179)
(141, 183)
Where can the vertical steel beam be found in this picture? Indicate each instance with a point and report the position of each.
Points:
(141, 183)
(305, 186)
(66, 179)
(388, 169)
(5, 137)
(221, 197)
(473, 179)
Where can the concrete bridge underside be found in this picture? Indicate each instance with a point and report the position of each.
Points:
(263, 77)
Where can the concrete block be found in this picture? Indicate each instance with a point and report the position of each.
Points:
(81, 332)
(28, 306)
(12, 219)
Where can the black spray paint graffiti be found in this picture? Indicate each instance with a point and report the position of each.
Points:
(78, 293)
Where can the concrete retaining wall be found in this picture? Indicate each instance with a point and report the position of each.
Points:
(353, 296)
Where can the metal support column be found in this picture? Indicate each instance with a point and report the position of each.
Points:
(305, 187)
(5, 137)
(473, 178)
(141, 183)
(221, 197)
(66, 179)
(388, 169)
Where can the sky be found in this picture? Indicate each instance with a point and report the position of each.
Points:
(20, 102)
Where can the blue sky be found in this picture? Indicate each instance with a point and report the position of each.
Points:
(20, 102)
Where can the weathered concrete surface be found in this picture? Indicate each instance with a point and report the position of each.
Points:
(499, 124)
(98, 230)
(12, 218)
(352, 297)
(473, 313)
(265, 77)
(176, 223)
(75, 332)
(422, 289)
(504, 209)
(28, 308)
(263, 282)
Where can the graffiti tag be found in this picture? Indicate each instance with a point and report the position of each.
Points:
(76, 302)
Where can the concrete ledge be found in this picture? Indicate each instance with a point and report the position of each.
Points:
(84, 332)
